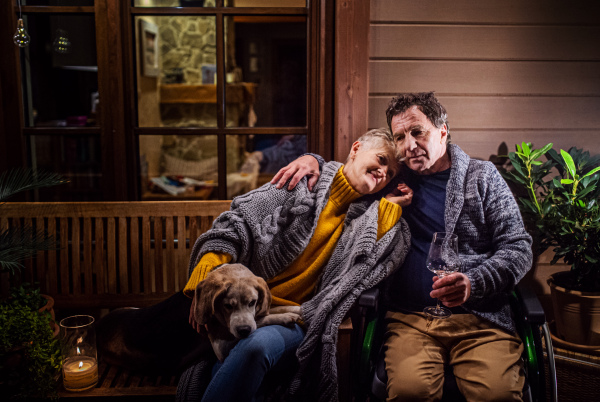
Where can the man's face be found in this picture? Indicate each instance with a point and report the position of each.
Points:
(420, 142)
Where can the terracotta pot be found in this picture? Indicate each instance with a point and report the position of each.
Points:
(49, 306)
(577, 314)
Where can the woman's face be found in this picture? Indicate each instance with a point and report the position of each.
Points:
(369, 170)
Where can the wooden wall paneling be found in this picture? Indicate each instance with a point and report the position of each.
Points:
(506, 112)
(488, 12)
(429, 41)
(482, 144)
(485, 77)
(351, 74)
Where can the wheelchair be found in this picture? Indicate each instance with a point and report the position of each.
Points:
(368, 366)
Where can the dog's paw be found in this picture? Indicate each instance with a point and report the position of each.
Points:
(289, 319)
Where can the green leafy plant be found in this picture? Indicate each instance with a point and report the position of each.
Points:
(563, 211)
(30, 357)
(22, 242)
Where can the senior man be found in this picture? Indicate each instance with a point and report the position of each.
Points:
(452, 193)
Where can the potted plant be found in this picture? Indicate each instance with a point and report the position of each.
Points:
(30, 357)
(564, 213)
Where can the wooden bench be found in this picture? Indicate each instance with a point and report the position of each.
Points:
(123, 254)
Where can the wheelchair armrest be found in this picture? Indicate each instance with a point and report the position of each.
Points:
(369, 299)
(532, 308)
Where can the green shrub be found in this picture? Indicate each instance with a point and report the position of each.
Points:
(30, 358)
(563, 211)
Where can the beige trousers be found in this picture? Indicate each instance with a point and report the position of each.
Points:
(486, 360)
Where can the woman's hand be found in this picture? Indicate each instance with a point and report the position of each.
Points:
(401, 195)
(303, 166)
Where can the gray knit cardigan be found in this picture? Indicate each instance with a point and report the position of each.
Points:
(267, 229)
(494, 247)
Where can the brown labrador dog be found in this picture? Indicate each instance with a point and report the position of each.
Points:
(231, 302)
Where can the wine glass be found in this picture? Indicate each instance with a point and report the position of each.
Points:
(442, 260)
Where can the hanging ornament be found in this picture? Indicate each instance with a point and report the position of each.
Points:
(21, 37)
(61, 44)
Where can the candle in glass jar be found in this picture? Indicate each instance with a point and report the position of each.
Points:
(80, 373)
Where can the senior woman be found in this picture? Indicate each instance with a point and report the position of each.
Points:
(318, 250)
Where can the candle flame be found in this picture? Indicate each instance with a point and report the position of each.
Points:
(78, 351)
(80, 364)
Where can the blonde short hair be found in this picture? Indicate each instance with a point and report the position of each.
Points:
(379, 138)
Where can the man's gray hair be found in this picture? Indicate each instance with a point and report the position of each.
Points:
(426, 102)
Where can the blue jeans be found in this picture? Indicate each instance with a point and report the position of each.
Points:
(240, 376)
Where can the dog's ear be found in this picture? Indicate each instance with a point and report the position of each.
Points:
(264, 297)
(207, 293)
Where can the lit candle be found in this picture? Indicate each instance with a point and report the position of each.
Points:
(80, 373)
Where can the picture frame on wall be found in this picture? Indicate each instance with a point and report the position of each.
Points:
(149, 49)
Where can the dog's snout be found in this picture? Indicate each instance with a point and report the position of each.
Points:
(244, 330)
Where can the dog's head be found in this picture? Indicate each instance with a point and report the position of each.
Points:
(233, 296)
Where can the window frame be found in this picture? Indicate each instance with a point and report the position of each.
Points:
(117, 125)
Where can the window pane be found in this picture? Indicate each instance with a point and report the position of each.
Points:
(57, 2)
(253, 160)
(174, 3)
(265, 3)
(59, 70)
(178, 167)
(211, 3)
(77, 158)
(266, 71)
(176, 71)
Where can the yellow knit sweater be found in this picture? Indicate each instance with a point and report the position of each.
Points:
(296, 284)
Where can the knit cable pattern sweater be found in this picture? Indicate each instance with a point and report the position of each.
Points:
(267, 229)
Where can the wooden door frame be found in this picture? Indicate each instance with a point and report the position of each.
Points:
(351, 74)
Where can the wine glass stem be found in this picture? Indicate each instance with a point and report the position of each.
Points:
(437, 306)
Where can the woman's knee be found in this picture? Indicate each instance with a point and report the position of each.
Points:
(269, 344)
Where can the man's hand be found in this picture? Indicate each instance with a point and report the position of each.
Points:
(303, 166)
(452, 290)
(401, 195)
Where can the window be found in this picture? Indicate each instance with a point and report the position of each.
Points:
(228, 89)
(167, 99)
(59, 71)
